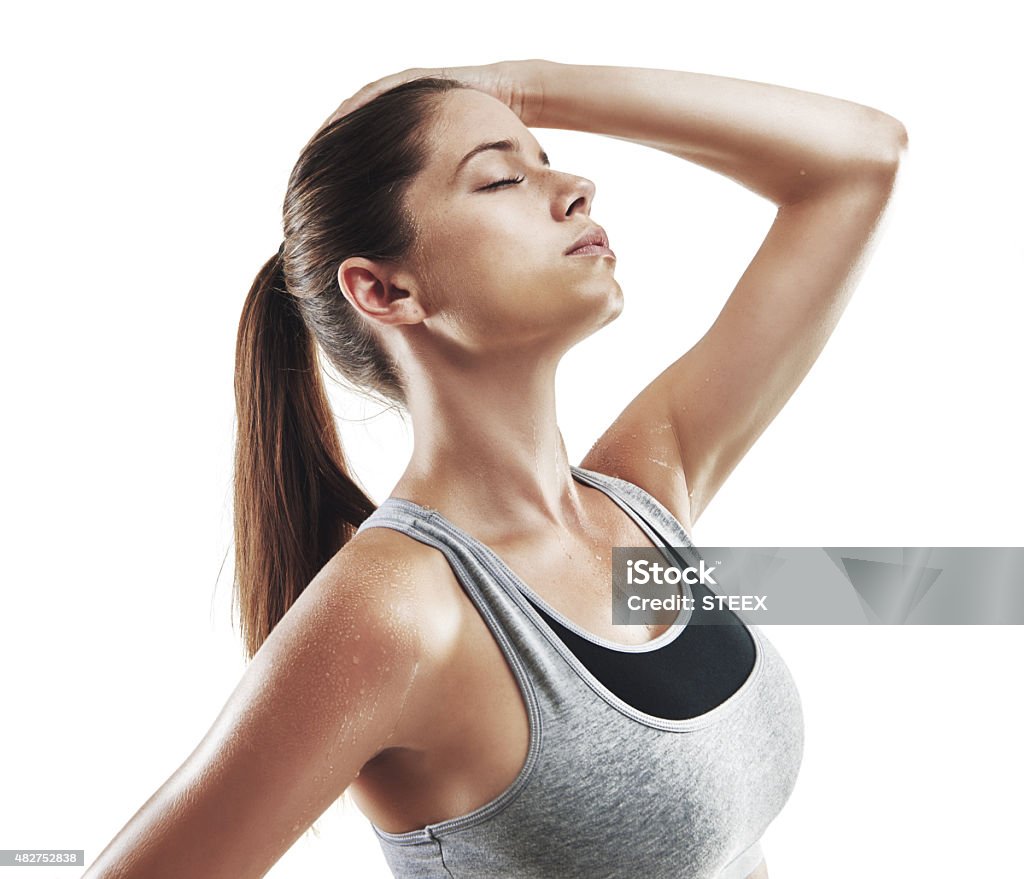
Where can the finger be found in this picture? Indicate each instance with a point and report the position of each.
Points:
(372, 90)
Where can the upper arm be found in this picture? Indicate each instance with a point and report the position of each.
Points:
(700, 416)
(320, 698)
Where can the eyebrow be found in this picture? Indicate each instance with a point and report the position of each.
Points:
(508, 145)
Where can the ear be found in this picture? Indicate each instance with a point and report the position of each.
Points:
(381, 292)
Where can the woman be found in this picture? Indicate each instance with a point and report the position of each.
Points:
(449, 656)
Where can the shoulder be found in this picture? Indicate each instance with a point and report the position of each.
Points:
(383, 567)
(356, 612)
(389, 589)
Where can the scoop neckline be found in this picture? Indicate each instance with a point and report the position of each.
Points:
(686, 724)
(492, 563)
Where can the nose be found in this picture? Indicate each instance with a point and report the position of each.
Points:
(575, 196)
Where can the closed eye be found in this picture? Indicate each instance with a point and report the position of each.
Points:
(497, 183)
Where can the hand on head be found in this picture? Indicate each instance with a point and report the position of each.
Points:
(511, 82)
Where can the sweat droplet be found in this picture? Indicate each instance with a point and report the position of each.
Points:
(355, 659)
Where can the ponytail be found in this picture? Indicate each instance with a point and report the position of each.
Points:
(295, 504)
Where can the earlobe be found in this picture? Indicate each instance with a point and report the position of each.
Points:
(371, 289)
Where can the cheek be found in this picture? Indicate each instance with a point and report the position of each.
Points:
(494, 273)
(472, 262)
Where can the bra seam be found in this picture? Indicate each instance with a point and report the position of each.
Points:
(444, 863)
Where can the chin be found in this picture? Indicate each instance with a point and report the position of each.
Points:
(607, 308)
(616, 302)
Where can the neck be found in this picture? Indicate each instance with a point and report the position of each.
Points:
(487, 447)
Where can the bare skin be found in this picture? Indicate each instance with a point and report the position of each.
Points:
(424, 720)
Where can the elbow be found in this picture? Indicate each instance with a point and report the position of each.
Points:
(895, 140)
(880, 144)
(902, 138)
(886, 145)
(870, 152)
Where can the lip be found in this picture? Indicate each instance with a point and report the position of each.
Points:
(594, 242)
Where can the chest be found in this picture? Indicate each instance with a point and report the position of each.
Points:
(574, 580)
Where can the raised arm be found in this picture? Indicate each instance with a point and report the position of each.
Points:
(321, 697)
(829, 166)
(784, 144)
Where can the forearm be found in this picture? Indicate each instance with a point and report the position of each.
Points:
(780, 142)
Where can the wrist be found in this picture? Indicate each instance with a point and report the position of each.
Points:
(527, 80)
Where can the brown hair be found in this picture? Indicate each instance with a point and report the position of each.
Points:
(295, 501)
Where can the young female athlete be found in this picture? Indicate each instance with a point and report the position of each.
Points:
(448, 655)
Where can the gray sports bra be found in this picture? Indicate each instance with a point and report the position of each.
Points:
(607, 790)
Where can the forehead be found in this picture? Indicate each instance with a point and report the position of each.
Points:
(465, 119)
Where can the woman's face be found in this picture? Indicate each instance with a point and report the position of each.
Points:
(490, 256)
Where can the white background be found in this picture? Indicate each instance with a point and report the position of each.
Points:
(145, 156)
